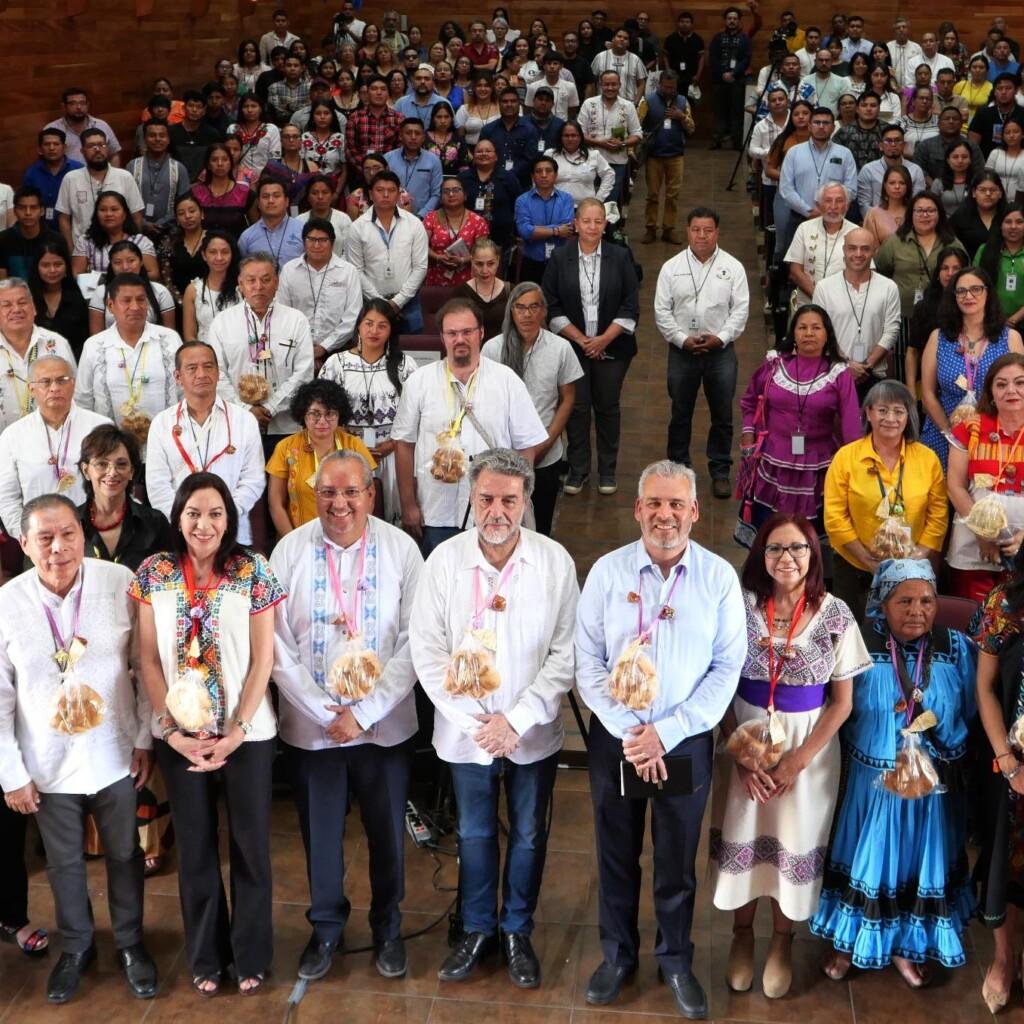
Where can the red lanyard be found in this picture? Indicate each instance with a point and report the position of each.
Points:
(775, 669)
(495, 600)
(349, 620)
(666, 611)
(196, 608)
(228, 449)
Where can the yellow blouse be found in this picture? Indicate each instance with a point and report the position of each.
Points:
(294, 462)
(852, 495)
(976, 95)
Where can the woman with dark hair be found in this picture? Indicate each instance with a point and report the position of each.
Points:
(398, 84)
(225, 200)
(479, 110)
(983, 207)
(890, 108)
(213, 291)
(885, 219)
(442, 140)
(344, 94)
(323, 142)
(180, 259)
(804, 648)
(985, 464)
(791, 410)
(952, 185)
(975, 88)
(373, 373)
(445, 87)
(368, 43)
(323, 409)
(450, 30)
(491, 191)
(1001, 256)
(249, 67)
(111, 222)
(971, 334)
(897, 883)
(292, 169)
(260, 139)
(857, 79)
(447, 226)
(885, 495)
(925, 318)
(589, 46)
(798, 130)
(207, 650)
(60, 305)
(582, 172)
(485, 287)
(951, 47)
(319, 199)
(126, 258)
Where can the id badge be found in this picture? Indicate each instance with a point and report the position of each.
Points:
(1010, 283)
(918, 295)
(479, 204)
(682, 65)
(509, 164)
(549, 248)
(997, 133)
(797, 442)
(150, 209)
(388, 271)
(590, 313)
(369, 437)
(49, 213)
(293, 211)
(694, 326)
(667, 123)
(540, 145)
(732, 65)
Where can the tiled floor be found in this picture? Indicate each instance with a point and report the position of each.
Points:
(566, 934)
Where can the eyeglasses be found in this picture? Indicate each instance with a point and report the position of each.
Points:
(451, 191)
(318, 239)
(988, 190)
(104, 466)
(533, 307)
(316, 416)
(469, 332)
(348, 493)
(47, 382)
(796, 551)
(970, 289)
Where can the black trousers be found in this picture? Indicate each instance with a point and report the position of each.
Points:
(546, 488)
(13, 876)
(598, 390)
(215, 937)
(532, 270)
(379, 779)
(61, 820)
(619, 824)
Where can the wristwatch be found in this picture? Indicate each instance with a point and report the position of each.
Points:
(246, 727)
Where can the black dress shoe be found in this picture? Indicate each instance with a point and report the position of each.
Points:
(139, 969)
(523, 965)
(721, 488)
(316, 958)
(67, 974)
(689, 996)
(606, 983)
(465, 956)
(390, 960)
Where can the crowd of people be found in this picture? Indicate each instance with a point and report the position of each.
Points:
(292, 396)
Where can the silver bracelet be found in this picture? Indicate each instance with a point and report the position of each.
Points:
(1013, 771)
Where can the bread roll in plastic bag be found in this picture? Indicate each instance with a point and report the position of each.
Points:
(354, 672)
(190, 703)
(892, 539)
(633, 681)
(914, 775)
(757, 745)
(253, 388)
(471, 671)
(987, 518)
(76, 708)
(448, 463)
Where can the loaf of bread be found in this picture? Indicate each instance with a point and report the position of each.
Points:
(751, 746)
(78, 709)
(471, 673)
(987, 518)
(633, 681)
(253, 388)
(448, 463)
(354, 674)
(190, 704)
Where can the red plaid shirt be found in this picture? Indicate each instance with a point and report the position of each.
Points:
(365, 133)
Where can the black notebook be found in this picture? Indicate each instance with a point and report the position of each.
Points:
(678, 783)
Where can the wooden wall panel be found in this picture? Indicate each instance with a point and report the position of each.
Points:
(105, 46)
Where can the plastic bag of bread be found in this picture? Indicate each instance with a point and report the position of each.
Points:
(633, 681)
(757, 744)
(914, 775)
(253, 388)
(471, 671)
(190, 703)
(354, 672)
(967, 409)
(892, 539)
(76, 708)
(448, 463)
(987, 518)
(137, 424)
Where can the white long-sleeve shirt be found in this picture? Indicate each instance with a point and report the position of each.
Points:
(391, 265)
(590, 178)
(31, 750)
(25, 468)
(329, 298)
(765, 132)
(862, 317)
(227, 425)
(15, 396)
(306, 641)
(695, 298)
(233, 335)
(534, 642)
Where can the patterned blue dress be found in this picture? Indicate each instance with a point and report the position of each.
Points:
(897, 881)
(949, 365)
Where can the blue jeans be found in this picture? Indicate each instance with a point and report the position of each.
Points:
(434, 535)
(527, 796)
(621, 170)
(412, 317)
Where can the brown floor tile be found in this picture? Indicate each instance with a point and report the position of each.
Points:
(447, 1011)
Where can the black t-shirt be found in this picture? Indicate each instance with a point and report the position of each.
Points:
(18, 253)
(190, 147)
(683, 56)
(579, 68)
(988, 123)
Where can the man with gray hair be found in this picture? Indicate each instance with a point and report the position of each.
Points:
(679, 606)
(817, 247)
(75, 732)
(492, 644)
(39, 452)
(21, 344)
(547, 365)
(343, 667)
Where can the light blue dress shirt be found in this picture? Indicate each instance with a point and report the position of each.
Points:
(421, 178)
(284, 242)
(532, 211)
(806, 168)
(698, 653)
(408, 107)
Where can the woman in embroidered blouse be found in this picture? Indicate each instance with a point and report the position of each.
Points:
(126, 258)
(372, 374)
(793, 402)
(202, 617)
(445, 226)
(323, 143)
(803, 648)
(224, 197)
(582, 172)
(886, 472)
(897, 885)
(323, 408)
(442, 141)
(111, 221)
(261, 140)
(970, 336)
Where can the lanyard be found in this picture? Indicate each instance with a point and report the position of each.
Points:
(495, 600)
(1003, 463)
(206, 462)
(911, 693)
(801, 400)
(897, 493)
(24, 398)
(410, 171)
(456, 418)
(591, 278)
(697, 289)
(197, 609)
(67, 652)
(858, 320)
(259, 343)
(135, 391)
(56, 459)
(775, 667)
(284, 235)
(347, 619)
(315, 296)
(646, 634)
(819, 171)
(971, 363)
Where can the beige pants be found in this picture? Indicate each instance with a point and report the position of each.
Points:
(663, 172)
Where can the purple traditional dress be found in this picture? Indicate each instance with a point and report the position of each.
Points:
(810, 410)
